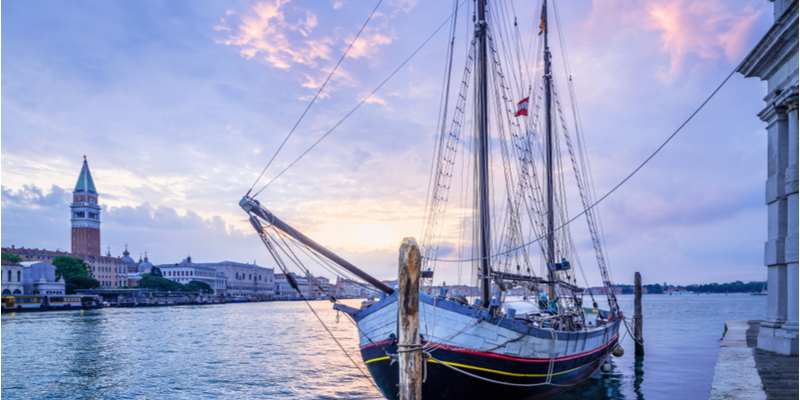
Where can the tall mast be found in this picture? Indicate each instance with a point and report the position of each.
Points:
(482, 155)
(551, 256)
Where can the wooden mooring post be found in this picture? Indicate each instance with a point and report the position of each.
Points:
(637, 315)
(408, 339)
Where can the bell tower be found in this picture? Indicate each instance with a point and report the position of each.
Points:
(85, 215)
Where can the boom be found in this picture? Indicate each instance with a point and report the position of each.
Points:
(255, 209)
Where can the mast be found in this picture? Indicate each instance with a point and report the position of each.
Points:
(551, 256)
(482, 161)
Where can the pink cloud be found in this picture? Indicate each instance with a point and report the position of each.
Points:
(266, 32)
(367, 44)
(709, 29)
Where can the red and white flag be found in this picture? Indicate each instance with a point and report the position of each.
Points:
(522, 108)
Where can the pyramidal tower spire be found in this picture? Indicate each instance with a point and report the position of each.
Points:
(85, 215)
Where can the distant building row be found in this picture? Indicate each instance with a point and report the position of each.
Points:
(36, 275)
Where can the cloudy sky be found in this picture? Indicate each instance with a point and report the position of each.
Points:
(178, 106)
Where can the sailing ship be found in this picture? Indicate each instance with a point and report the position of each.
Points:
(532, 348)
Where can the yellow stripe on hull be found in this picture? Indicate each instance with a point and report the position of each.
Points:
(486, 369)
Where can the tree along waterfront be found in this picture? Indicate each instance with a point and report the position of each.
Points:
(75, 273)
(156, 282)
(11, 257)
(733, 287)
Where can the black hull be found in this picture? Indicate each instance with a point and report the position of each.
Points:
(443, 382)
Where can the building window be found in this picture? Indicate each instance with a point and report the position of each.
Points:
(19, 279)
(9, 276)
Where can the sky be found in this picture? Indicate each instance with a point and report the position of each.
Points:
(179, 105)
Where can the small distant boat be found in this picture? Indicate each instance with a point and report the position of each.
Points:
(240, 299)
(763, 291)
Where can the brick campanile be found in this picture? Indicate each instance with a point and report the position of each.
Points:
(85, 215)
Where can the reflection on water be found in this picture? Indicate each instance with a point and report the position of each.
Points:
(279, 350)
(638, 369)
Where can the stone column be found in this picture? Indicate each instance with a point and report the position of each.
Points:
(774, 248)
(792, 238)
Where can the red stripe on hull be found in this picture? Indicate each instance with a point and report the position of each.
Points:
(494, 355)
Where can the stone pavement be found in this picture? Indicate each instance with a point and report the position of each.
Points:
(735, 375)
(779, 373)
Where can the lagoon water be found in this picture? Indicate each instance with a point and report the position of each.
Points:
(280, 350)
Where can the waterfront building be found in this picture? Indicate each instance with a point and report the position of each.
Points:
(185, 272)
(133, 279)
(347, 289)
(11, 278)
(227, 278)
(775, 60)
(39, 277)
(110, 271)
(464, 290)
(319, 289)
(285, 291)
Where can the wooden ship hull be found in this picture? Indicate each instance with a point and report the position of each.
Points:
(465, 344)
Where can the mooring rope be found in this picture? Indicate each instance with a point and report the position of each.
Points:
(627, 328)
(494, 381)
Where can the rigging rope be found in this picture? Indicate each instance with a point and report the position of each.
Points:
(340, 345)
(360, 103)
(315, 96)
(619, 184)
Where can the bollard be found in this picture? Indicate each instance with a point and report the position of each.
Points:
(637, 316)
(408, 338)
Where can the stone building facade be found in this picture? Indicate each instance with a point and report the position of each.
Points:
(40, 278)
(285, 291)
(775, 60)
(11, 278)
(227, 278)
(187, 271)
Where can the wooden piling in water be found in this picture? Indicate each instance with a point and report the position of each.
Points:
(408, 339)
(637, 315)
